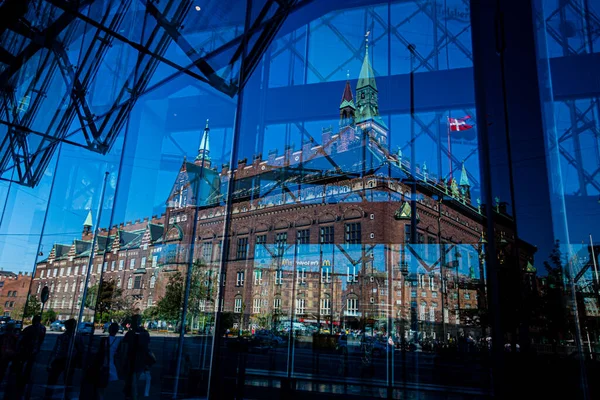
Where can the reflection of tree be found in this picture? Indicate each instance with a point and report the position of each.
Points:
(551, 303)
(107, 299)
(202, 289)
(33, 307)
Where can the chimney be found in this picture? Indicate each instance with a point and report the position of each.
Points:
(272, 156)
(257, 158)
(306, 146)
(242, 163)
(225, 169)
(326, 136)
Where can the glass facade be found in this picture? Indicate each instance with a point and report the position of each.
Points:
(247, 199)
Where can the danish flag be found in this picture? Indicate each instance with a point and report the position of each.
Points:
(459, 124)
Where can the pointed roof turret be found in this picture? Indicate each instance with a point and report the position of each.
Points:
(347, 98)
(367, 76)
(464, 178)
(88, 220)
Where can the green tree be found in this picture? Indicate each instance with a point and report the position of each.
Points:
(49, 316)
(202, 288)
(107, 299)
(34, 306)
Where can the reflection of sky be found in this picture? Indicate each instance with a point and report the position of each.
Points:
(158, 137)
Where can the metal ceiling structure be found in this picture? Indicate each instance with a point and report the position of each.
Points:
(51, 53)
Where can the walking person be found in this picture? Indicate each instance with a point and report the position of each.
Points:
(61, 362)
(29, 346)
(107, 369)
(135, 356)
(8, 349)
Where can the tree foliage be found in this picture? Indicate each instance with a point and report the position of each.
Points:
(34, 307)
(107, 299)
(202, 288)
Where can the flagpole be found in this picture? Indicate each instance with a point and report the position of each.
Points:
(594, 259)
(449, 147)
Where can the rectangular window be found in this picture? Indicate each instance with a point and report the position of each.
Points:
(256, 306)
(68, 271)
(237, 305)
(55, 272)
(434, 294)
(207, 248)
(352, 274)
(280, 243)
(407, 233)
(413, 293)
(42, 273)
(303, 236)
(353, 234)
(121, 265)
(202, 305)
(62, 272)
(421, 280)
(301, 276)
(239, 279)
(258, 277)
(137, 284)
(154, 261)
(300, 306)
(105, 266)
(112, 265)
(242, 248)
(143, 263)
(279, 277)
(326, 235)
(467, 296)
(259, 246)
(325, 306)
(277, 303)
(151, 302)
(352, 306)
(132, 263)
(326, 275)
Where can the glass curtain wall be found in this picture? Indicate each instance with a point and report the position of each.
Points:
(389, 199)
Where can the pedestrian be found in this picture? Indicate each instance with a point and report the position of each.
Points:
(8, 348)
(106, 371)
(65, 357)
(30, 344)
(135, 356)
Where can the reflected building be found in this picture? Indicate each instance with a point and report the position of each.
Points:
(319, 235)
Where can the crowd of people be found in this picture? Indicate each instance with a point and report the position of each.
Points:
(125, 358)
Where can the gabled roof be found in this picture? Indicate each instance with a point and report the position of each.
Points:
(61, 250)
(82, 246)
(156, 232)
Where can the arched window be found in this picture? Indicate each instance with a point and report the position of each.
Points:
(129, 283)
(119, 282)
(152, 281)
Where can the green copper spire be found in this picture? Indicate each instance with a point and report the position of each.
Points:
(88, 220)
(464, 178)
(367, 76)
(204, 148)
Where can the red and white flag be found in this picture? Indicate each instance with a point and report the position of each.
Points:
(459, 124)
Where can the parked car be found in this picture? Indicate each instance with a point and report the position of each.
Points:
(107, 324)
(58, 326)
(18, 324)
(267, 337)
(86, 328)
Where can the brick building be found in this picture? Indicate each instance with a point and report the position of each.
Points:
(319, 234)
(13, 292)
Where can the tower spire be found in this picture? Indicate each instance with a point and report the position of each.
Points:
(464, 178)
(87, 224)
(204, 148)
(347, 108)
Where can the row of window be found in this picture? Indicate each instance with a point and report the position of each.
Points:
(300, 306)
(326, 236)
(131, 284)
(101, 267)
(12, 293)
(351, 276)
(9, 304)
